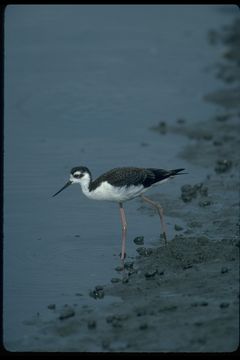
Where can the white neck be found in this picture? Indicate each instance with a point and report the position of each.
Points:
(84, 182)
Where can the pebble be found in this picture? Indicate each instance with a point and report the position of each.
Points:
(224, 305)
(204, 203)
(125, 280)
(198, 323)
(144, 251)
(128, 265)
(97, 293)
(187, 266)
(92, 324)
(178, 227)
(222, 117)
(195, 224)
(224, 270)
(223, 166)
(203, 191)
(66, 313)
(217, 143)
(115, 280)
(139, 240)
(207, 136)
(150, 273)
(118, 345)
(119, 268)
(141, 312)
(202, 240)
(189, 192)
(115, 320)
(98, 287)
(52, 306)
(202, 303)
(162, 127)
(181, 121)
(143, 326)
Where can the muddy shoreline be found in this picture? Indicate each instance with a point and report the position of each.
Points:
(183, 297)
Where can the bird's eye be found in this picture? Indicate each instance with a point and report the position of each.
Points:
(78, 176)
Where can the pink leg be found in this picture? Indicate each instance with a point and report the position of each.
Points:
(160, 213)
(124, 230)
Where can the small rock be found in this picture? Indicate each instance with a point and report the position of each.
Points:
(204, 203)
(128, 265)
(97, 293)
(66, 313)
(118, 345)
(195, 224)
(207, 136)
(143, 326)
(223, 166)
(189, 192)
(98, 287)
(187, 266)
(139, 240)
(162, 127)
(203, 191)
(144, 251)
(52, 306)
(125, 280)
(150, 274)
(178, 227)
(224, 270)
(202, 240)
(105, 343)
(92, 324)
(119, 268)
(114, 321)
(222, 117)
(224, 305)
(198, 323)
(181, 121)
(217, 143)
(115, 280)
(194, 304)
(202, 303)
(79, 294)
(141, 312)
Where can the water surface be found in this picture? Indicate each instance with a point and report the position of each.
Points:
(83, 86)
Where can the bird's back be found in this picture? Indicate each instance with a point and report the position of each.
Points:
(128, 176)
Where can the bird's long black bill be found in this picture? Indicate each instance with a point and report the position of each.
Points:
(64, 187)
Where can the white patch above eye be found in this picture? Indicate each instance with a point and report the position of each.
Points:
(77, 173)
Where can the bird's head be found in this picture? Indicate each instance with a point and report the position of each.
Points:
(78, 175)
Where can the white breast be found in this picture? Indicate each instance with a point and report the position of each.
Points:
(108, 192)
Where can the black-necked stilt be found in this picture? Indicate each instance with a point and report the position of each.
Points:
(119, 185)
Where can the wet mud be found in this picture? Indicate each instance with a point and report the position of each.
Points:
(183, 296)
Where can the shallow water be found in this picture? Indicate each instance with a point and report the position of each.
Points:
(83, 86)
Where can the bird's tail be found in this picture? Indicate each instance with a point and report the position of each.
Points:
(177, 172)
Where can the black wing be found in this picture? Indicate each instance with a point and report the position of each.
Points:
(128, 176)
(160, 174)
(121, 177)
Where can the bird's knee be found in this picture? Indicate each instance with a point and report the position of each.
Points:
(158, 207)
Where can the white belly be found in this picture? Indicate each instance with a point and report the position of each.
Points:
(110, 193)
